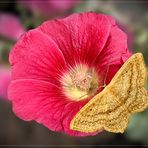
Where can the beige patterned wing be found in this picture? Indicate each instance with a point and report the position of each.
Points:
(129, 84)
(110, 109)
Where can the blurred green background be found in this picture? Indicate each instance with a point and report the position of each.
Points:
(16, 17)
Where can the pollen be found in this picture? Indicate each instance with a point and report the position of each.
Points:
(80, 82)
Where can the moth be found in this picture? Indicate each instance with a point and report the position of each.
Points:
(111, 109)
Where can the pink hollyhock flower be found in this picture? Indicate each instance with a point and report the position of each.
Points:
(5, 77)
(59, 66)
(47, 7)
(10, 26)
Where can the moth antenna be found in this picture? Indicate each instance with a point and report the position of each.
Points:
(83, 96)
(109, 63)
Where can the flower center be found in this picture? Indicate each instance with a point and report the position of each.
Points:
(80, 82)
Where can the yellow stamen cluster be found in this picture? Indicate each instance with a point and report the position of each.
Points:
(80, 82)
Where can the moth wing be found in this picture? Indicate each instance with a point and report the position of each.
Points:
(129, 84)
(110, 109)
(103, 112)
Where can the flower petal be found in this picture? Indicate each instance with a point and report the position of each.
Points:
(34, 100)
(43, 102)
(81, 37)
(114, 54)
(36, 56)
